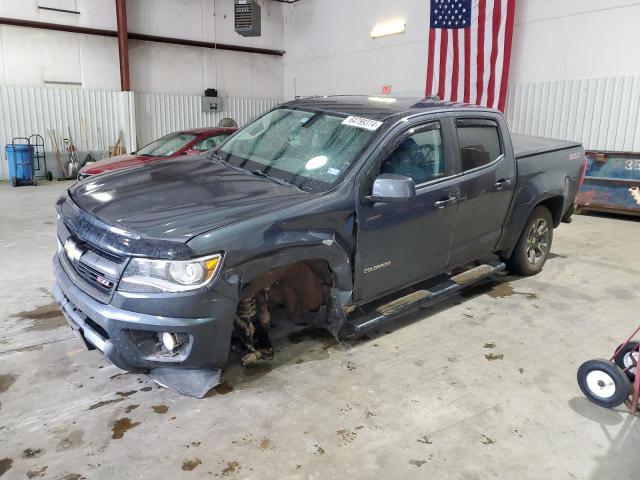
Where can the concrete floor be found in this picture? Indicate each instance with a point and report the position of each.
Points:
(422, 399)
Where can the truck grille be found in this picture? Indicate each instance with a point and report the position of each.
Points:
(91, 268)
(94, 278)
(98, 251)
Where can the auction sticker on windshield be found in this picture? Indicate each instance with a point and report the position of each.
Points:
(360, 122)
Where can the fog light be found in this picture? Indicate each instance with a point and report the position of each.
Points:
(170, 341)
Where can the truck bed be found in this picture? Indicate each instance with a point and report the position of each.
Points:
(527, 145)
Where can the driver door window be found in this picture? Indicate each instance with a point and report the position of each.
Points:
(420, 156)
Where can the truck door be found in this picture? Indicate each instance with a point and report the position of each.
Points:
(486, 181)
(399, 244)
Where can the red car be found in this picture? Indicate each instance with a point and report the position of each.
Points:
(185, 142)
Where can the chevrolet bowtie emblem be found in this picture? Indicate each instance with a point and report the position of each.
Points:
(73, 252)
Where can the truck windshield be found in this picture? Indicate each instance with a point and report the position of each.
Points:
(311, 150)
(167, 145)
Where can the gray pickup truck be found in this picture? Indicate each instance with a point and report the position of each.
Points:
(338, 208)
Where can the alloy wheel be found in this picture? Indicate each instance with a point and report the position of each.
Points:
(538, 241)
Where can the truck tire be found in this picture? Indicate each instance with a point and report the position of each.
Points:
(533, 247)
(604, 383)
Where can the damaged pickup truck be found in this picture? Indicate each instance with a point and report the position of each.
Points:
(355, 208)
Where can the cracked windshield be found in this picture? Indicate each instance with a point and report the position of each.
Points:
(310, 150)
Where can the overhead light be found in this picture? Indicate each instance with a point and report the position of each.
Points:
(388, 28)
(382, 99)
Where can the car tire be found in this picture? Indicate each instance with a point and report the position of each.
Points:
(533, 247)
(604, 383)
(627, 359)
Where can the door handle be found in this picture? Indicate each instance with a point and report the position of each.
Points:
(443, 203)
(503, 182)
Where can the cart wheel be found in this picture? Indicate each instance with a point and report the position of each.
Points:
(627, 359)
(14, 181)
(50, 176)
(604, 383)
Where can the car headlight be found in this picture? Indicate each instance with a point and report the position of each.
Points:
(146, 275)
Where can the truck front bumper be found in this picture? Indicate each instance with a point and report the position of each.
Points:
(131, 340)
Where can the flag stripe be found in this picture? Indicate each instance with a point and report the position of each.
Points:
(508, 36)
(444, 40)
(495, 31)
(454, 76)
(432, 37)
(480, 52)
(500, 58)
(467, 64)
(436, 64)
(473, 93)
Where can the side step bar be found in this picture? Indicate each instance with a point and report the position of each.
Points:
(420, 298)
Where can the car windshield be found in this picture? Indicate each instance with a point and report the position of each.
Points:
(311, 150)
(167, 145)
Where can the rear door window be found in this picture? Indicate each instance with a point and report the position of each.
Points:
(479, 141)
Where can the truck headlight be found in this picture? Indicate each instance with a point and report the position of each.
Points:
(146, 275)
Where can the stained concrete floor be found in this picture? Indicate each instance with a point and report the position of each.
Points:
(482, 387)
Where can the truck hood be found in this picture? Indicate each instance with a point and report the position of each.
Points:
(178, 199)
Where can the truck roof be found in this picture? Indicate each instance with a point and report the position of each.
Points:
(377, 107)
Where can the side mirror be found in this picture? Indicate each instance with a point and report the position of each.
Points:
(392, 188)
(192, 151)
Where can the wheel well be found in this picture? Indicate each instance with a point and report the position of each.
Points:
(554, 205)
(300, 286)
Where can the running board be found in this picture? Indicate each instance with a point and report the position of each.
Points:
(421, 298)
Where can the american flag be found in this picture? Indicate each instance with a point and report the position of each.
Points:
(469, 50)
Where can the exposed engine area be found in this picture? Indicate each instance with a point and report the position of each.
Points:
(300, 288)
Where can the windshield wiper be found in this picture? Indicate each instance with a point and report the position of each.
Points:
(225, 163)
(260, 173)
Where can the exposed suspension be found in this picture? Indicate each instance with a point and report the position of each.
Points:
(251, 329)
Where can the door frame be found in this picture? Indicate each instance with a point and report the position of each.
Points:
(506, 155)
(370, 169)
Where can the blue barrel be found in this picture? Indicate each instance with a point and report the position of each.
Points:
(20, 159)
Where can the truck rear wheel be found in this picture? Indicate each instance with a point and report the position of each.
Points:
(533, 247)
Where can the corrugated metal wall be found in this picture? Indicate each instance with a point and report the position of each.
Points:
(602, 113)
(159, 114)
(28, 110)
(142, 117)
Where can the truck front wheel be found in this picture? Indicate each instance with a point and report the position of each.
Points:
(534, 244)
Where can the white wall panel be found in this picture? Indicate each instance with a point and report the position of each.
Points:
(602, 113)
(142, 117)
(28, 110)
(159, 114)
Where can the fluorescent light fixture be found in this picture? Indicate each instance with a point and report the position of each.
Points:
(382, 99)
(388, 28)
